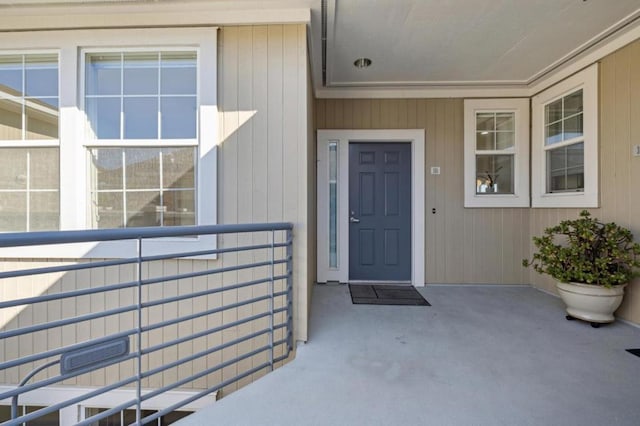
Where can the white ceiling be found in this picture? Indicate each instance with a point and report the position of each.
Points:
(427, 42)
(422, 44)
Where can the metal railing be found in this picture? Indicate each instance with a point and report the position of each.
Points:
(198, 321)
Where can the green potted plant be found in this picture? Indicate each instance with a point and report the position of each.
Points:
(591, 261)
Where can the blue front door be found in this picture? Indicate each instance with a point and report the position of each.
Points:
(380, 211)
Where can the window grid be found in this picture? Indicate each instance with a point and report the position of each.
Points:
(23, 99)
(564, 145)
(31, 102)
(161, 189)
(163, 62)
(486, 180)
(158, 95)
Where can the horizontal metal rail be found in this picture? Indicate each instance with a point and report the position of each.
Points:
(262, 333)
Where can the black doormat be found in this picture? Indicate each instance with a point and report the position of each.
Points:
(363, 294)
(636, 352)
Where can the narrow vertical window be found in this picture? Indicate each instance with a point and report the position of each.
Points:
(29, 157)
(333, 204)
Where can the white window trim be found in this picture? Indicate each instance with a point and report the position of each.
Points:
(587, 80)
(520, 197)
(74, 190)
(417, 139)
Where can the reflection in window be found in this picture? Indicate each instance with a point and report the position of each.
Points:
(29, 171)
(494, 174)
(565, 168)
(142, 95)
(28, 97)
(143, 187)
(563, 118)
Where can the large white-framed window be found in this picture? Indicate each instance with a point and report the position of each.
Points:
(142, 142)
(496, 152)
(136, 132)
(565, 143)
(29, 141)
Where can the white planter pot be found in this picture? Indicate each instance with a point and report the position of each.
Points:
(591, 303)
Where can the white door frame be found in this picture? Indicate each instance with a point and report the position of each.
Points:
(416, 137)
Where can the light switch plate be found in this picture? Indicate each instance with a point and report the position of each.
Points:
(636, 150)
(435, 170)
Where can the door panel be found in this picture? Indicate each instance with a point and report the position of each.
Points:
(380, 207)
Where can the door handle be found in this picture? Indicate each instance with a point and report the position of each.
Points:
(354, 220)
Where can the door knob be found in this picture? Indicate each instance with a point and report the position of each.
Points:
(354, 220)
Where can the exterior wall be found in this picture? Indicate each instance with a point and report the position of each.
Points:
(462, 245)
(263, 151)
(619, 170)
(263, 93)
(311, 191)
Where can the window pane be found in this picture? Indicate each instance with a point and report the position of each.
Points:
(141, 118)
(13, 208)
(108, 210)
(140, 73)
(573, 103)
(557, 160)
(178, 117)
(41, 121)
(575, 155)
(178, 73)
(179, 208)
(44, 210)
(142, 186)
(505, 121)
(485, 121)
(333, 204)
(144, 209)
(44, 171)
(103, 74)
(51, 419)
(565, 168)
(13, 168)
(104, 116)
(107, 168)
(41, 75)
(485, 141)
(143, 168)
(11, 75)
(553, 111)
(173, 417)
(10, 120)
(553, 133)
(178, 168)
(494, 174)
(505, 140)
(573, 127)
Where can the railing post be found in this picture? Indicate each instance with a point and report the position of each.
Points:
(289, 237)
(271, 298)
(139, 333)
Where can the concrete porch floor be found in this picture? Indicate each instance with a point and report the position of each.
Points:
(481, 355)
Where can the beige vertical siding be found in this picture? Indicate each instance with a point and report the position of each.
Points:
(462, 245)
(619, 170)
(264, 151)
(263, 174)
